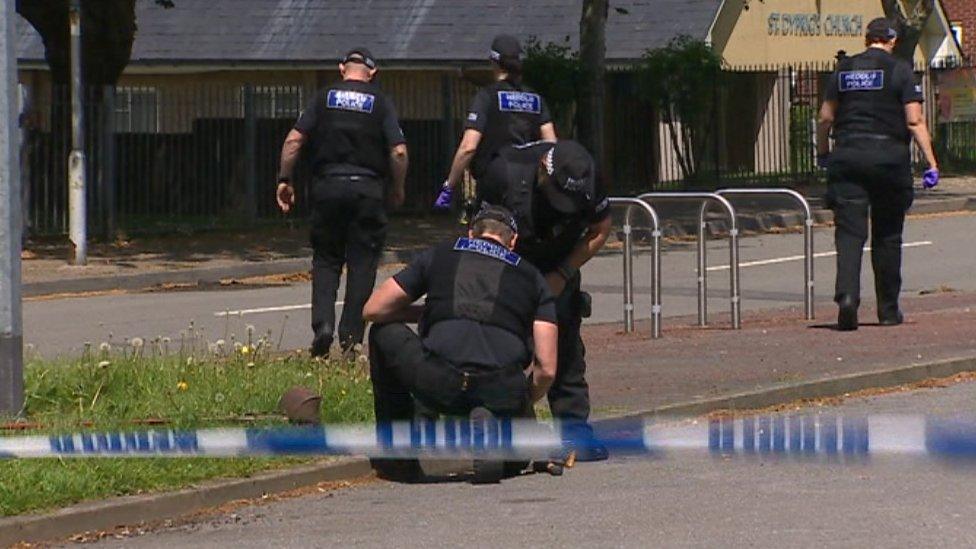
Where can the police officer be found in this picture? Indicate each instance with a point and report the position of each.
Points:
(356, 146)
(502, 114)
(873, 105)
(564, 216)
(488, 313)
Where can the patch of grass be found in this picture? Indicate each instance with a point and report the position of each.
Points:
(113, 389)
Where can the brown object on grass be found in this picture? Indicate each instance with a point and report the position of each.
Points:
(301, 405)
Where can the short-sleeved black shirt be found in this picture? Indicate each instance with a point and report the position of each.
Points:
(871, 90)
(466, 341)
(351, 127)
(505, 114)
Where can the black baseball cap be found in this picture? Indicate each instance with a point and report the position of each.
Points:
(572, 176)
(496, 213)
(360, 55)
(882, 29)
(505, 45)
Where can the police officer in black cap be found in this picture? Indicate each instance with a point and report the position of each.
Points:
(564, 216)
(502, 114)
(873, 105)
(488, 316)
(357, 147)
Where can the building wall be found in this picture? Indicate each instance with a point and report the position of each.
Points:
(964, 12)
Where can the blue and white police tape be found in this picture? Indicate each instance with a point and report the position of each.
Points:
(777, 435)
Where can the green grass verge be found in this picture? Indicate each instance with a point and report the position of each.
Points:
(114, 389)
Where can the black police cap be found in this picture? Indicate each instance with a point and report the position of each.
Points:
(496, 213)
(505, 45)
(360, 55)
(882, 29)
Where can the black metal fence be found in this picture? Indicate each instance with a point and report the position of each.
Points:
(206, 156)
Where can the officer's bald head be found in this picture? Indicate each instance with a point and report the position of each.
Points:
(358, 64)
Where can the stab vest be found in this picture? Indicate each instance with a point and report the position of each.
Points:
(869, 99)
(483, 281)
(351, 129)
(513, 118)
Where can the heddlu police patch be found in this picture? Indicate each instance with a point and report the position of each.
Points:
(487, 248)
(861, 80)
(351, 101)
(515, 101)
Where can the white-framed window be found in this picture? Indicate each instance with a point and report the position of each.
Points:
(136, 109)
(278, 101)
(956, 27)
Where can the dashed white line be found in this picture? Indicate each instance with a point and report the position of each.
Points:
(800, 257)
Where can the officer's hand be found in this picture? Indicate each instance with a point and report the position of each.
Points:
(285, 196)
(931, 178)
(396, 199)
(556, 283)
(445, 197)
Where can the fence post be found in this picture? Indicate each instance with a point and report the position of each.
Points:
(447, 96)
(77, 180)
(108, 162)
(250, 206)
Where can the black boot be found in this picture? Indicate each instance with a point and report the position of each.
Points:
(484, 430)
(891, 319)
(846, 314)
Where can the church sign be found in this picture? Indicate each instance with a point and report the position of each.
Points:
(815, 24)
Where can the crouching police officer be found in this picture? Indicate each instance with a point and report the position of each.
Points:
(505, 113)
(488, 313)
(356, 146)
(564, 217)
(874, 106)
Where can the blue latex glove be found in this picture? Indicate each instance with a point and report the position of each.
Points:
(445, 198)
(931, 178)
(823, 160)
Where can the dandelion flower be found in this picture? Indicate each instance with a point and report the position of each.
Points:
(104, 347)
(182, 386)
(245, 349)
(220, 343)
(218, 398)
(104, 364)
(137, 342)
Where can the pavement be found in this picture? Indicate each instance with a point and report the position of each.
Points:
(191, 258)
(680, 499)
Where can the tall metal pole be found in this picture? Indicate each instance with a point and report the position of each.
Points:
(11, 327)
(77, 207)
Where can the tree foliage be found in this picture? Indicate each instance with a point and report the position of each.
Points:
(679, 80)
(554, 70)
(911, 20)
(108, 30)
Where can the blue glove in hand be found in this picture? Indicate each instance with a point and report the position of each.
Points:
(931, 178)
(822, 160)
(444, 199)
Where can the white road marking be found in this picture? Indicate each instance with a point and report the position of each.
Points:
(279, 309)
(787, 259)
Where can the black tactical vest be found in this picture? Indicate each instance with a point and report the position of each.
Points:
(513, 118)
(351, 129)
(511, 184)
(483, 281)
(869, 98)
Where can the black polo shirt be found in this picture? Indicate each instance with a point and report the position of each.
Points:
(505, 114)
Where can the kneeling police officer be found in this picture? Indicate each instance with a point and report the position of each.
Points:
(874, 107)
(488, 314)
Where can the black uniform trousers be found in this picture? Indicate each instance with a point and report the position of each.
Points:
(348, 228)
(569, 396)
(870, 177)
(404, 373)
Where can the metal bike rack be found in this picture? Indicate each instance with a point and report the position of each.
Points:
(701, 255)
(807, 234)
(632, 203)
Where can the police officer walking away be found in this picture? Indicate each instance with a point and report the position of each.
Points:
(564, 218)
(488, 313)
(502, 114)
(874, 107)
(356, 146)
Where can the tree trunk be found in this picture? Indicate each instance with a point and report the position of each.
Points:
(593, 50)
(910, 24)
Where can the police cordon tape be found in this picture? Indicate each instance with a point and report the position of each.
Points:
(775, 435)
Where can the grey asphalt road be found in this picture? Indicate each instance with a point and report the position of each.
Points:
(939, 253)
(685, 499)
